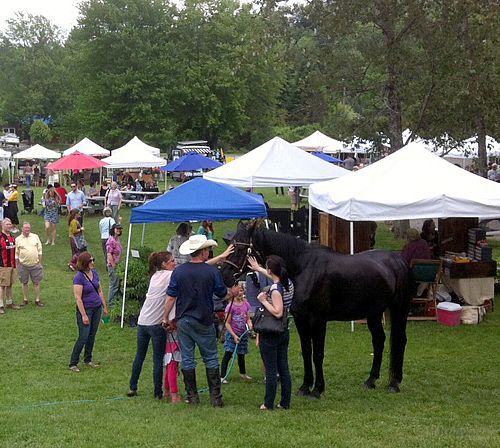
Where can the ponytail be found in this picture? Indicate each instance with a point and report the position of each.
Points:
(156, 259)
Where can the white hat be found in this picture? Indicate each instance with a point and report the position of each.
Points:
(194, 243)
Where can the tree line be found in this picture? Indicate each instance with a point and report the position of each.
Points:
(237, 74)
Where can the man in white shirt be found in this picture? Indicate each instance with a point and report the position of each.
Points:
(76, 199)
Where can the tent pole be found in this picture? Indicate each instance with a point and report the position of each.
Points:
(309, 224)
(351, 244)
(142, 237)
(126, 272)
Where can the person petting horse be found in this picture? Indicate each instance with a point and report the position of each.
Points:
(332, 286)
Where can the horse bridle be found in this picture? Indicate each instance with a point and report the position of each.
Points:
(250, 249)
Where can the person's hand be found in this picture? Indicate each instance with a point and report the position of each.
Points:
(262, 297)
(82, 228)
(227, 252)
(105, 310)
(85, 319)
(166, 324)
(236, 339)
(252, 262)
(257, 342)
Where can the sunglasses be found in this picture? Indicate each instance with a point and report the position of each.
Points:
(91, 260)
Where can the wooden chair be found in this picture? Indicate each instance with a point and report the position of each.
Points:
(430, 272)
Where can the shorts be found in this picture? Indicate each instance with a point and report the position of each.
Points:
(7, 276)
(26, 272)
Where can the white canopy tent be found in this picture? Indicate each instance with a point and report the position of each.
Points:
(411, 183)
(88, 147)
(37, 152)
(128, 157)
(275, 163)
(318, 141)
(136, 144)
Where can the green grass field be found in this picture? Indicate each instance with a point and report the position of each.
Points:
(450, 395)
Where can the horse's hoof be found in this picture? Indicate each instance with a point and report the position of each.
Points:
(303, 392)
(393, 388)
(370, 384)
(315, 395)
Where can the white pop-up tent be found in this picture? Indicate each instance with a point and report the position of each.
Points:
(136, 144)
(318, 141)
(37, 152)
(273, 164)
(133, 156)
(411, 183)
(87, 147)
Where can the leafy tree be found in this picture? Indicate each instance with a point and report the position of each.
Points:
(40, 132)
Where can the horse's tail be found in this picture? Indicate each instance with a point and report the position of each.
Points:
(404, 291)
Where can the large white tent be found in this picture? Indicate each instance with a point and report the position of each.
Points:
(318, 141)
(275, 163)
(409, 184)
(37, 152)
(130, 157)
(88, 147)
(136, 144)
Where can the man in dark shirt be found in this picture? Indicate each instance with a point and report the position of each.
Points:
(191, 289)
(7, 266)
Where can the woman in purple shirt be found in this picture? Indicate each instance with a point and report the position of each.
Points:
(90, 303)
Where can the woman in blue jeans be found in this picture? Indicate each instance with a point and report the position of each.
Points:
(274, 347)
(90, 303)
(161, 265)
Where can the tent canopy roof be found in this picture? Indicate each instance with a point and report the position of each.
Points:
(200, 199)
(37, 152)
(411, 183)
(76, 161)
(191, 162)
(275, 163)
(136, 144)
(319, 141)
(88, 147)
(134, 155)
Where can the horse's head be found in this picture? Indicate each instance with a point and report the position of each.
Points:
(236, 265)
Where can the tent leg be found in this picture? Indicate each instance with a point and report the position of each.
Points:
(142, 237)
(309, 225)
(126, 272)
(351, 244)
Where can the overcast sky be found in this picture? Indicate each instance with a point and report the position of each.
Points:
(63, 13)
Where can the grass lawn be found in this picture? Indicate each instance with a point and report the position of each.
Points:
(450, 395)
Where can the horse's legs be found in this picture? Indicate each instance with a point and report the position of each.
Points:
(398, 344)
(304, 330)
(378, 340)
(318, 337)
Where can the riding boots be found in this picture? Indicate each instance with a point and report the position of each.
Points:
(214, 385)
(191, 389)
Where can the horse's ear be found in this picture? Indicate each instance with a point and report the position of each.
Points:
(253, 225)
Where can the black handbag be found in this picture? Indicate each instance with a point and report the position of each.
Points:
(264, 322)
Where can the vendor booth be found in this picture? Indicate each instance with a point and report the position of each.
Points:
(414, 183)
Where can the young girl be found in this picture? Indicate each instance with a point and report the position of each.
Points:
(171, 361)
(237, 320)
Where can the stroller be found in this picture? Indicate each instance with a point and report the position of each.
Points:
(28, 201)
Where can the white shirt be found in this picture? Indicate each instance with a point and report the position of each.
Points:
(105, 225)
(154, 305)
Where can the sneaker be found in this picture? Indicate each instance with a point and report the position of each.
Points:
(224, 381)
(74, 369)
(263, 407)
(47, 242)
(132, 393)
(94, 365)
(39, 303)
(245, 377)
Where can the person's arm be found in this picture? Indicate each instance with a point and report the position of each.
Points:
(252, 262)
(120, 200)
(169, 304)
(275, 308)
(78, 291)
(222, 256)
(230, 329)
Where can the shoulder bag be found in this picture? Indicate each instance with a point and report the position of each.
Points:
(264, 322)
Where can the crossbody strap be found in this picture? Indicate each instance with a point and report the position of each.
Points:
(88, 278)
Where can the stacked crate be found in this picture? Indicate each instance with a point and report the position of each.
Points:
(477, 247)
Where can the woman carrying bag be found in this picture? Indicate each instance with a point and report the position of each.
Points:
(274, 345)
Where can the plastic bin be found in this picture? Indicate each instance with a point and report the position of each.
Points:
(449, 314)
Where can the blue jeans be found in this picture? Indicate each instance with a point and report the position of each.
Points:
(191, 333)
(274, 353)
(157, 335)
(114, 285)
(86, 335)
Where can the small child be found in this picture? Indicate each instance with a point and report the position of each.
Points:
(237, 320)
(171, 361)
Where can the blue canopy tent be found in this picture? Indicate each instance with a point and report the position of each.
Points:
(191, 162)
(196, 200)
(326, 157)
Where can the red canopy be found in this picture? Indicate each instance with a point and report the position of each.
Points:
(76, 161)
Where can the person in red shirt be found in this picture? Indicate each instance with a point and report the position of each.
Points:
(7, 266)
(61, 191)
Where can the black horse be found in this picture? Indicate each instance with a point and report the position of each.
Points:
(332, 286)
